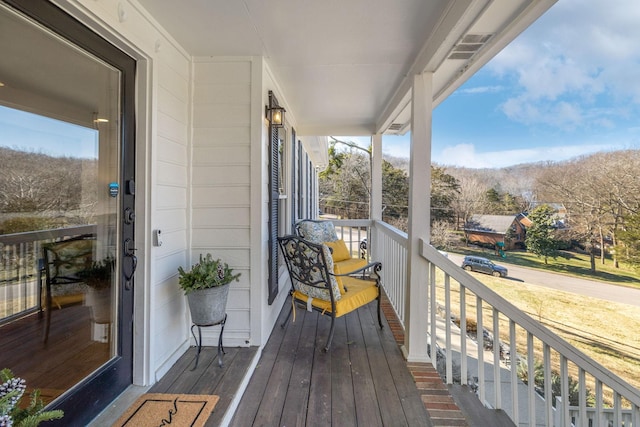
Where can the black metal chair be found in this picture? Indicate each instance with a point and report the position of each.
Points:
(63, 261)
(316, 287)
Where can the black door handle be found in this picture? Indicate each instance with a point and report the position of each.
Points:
(129, 252)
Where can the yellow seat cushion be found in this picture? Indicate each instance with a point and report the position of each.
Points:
(339, 250)
(361, 292)
(344, 267)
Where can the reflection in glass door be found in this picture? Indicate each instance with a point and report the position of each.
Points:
(62, 153)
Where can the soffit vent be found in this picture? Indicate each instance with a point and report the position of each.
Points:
(469, 45)
(396, 126)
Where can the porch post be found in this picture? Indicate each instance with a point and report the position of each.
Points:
(416, 316)
(375, 209)
(375, 206)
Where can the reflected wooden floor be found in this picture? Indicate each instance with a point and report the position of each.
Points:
(68, 357)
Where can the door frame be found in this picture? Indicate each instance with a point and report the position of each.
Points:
(142, 365)
(81, 30)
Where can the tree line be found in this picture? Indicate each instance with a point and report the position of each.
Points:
(601, 193)
(38, 191)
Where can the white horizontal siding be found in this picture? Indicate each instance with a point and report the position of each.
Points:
(221, 195)
(221, 137)
(221, 237)
(221, 181)
(230, 216)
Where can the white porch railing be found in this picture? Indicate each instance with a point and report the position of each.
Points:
(390, 245)
(607, 416)
(499, 366)
(21, 268)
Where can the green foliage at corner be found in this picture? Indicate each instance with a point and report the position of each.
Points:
(208, 273)
(629, 248)
(12, 413)
(556, 383)
(540, 238)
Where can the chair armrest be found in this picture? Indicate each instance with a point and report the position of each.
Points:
(376, 266)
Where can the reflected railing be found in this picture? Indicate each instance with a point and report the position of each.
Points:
(496, 365)
(21, 267)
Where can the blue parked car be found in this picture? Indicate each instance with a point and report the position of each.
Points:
(483, 265)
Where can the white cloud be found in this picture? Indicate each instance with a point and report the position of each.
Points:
(465, 155)
(482, 89)
(579, 54)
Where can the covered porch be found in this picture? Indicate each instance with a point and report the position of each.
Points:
(363, 381)
(214, 175)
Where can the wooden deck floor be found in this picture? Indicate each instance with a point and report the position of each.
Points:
(362, 381)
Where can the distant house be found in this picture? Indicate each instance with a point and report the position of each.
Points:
(509, 230)
(560, 217)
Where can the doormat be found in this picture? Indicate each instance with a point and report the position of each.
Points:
(175, 410)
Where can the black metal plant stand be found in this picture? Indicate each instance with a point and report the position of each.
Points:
(199, 340)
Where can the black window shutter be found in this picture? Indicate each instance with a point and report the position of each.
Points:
(273, 214)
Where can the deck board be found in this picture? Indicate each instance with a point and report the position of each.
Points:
(362, 381)
(367, 410)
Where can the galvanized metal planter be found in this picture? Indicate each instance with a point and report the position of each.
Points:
(208, 306)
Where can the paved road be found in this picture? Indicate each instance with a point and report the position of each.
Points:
(601, 290)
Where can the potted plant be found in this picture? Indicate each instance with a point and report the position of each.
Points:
(97, 277)
(206, 286)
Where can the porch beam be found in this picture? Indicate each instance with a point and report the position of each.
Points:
(416, 316)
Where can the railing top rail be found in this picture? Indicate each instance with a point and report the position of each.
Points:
(541, 332)
(399, 236)
(352, 222)
(55, 233)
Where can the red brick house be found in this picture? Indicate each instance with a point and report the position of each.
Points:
(509, 230)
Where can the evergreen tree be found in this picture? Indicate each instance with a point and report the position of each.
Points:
(629, 238)
(540, 238)
(444, 190)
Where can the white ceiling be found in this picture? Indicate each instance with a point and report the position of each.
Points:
(345, 66)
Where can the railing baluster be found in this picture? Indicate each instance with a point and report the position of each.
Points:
(582, 398)
(530, 380)
(480, 340)
(564, 390)
(617, 410)
(496, 360)
(447, 322)
(433, 312)
(599, 394)
(548, 395)
(513, 365)
(463, 336)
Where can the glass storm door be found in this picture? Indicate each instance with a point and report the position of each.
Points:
(66, 209)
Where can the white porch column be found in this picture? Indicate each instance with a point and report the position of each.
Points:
(416, 316)
(375, 210)
(375, 203)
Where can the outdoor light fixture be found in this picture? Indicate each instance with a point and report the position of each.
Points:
(274, 112)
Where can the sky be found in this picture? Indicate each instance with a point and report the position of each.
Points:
(29, 132)
(567, 86)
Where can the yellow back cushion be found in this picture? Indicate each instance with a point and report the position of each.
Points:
(339, 250)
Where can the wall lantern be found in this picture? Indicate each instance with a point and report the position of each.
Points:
(274, 112)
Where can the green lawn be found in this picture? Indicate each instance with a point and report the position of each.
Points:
(569, 263)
